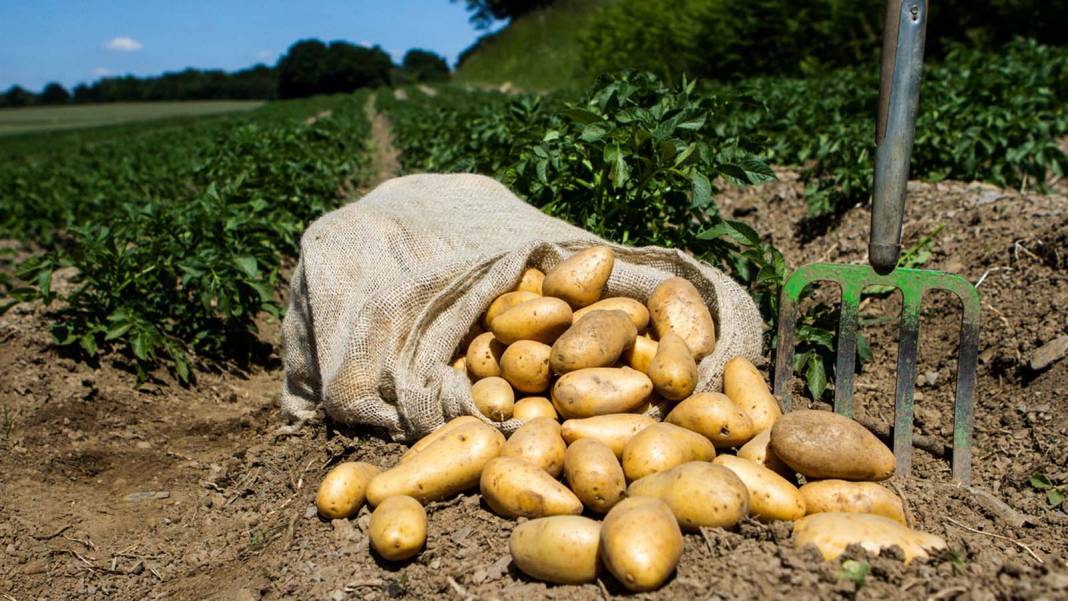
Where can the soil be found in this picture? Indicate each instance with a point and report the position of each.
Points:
(111, 491)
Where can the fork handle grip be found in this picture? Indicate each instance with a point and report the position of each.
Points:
(899, 98)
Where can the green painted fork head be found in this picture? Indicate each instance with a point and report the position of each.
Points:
(912, 283)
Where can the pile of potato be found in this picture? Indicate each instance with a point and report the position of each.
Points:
(650, 480)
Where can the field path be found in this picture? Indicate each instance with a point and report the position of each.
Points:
(384, 157)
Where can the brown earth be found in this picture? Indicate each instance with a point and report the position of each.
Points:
(228, 512)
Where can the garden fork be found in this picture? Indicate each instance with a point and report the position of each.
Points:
(899, 90)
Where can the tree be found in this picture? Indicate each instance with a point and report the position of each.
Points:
(301, 69)
(423, 65)
(485, 12)
(350, 67)
(16, 96)
(55, 93)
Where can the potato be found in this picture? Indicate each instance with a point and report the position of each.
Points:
(538, 442)
(673, 370)
(562, 549)
(596, 340)
(594, 474)
(429, 439)
(504, 302)
(460, 365)
(661, 447)
(676, 306)
(343, 489)
(634, 309)
(758, 450)
(699, 493)
(542, 319)
(831, 533)
(841, 496)
(716, 417)
(771, 497)
(641, 543)
(531, 281)
(640, 356)
(514, 488)
(451, 464)
(580, 278)
(525, 364)
(532, 407)
(483, 357)
(613, 430)
(600, 391)
(398, 528)
(821, 444)
(494, 398)
(746, 387)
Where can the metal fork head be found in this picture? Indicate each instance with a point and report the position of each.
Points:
(912, 283)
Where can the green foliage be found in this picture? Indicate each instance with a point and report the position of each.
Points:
(856, 571)
(485, 12)
(311, 67)
(1055, 494)
(424, 65)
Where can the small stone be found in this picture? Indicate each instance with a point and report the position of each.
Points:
(931, 377)
(310, 511)
(10, 550)
(143, 445)
(337, 595)
(247, 595)
(343, 530)
(1049, 353)
(37, 566)
(148, 495)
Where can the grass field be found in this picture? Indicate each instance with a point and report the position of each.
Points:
(51, 118)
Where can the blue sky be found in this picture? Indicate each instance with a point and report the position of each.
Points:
(78, 41)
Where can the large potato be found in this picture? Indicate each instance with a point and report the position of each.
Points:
(580, 278)
(504, 302)
(676, 306)
(661, 447)
(494, 398)
(451, 464)
(771, 497)
(831, 533)
(344, 489)
(714, 416)
(634, 309)
(542, 319)
(532, 407)
(640, 356)
(746, 387)
(641, 543)
(525, 364)
(483, 357)
(594, 474)
(841, 496)
(600, 391)
(398, 528)
(613, 430)
(699, 493)
(821, 444)
(514, 488)
(758, 450)
(596, 340)
(429, 439)
(531, 281)
(538, 442)
(673, 370)
(562, 549)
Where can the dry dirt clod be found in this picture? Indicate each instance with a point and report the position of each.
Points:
(148, 495)
(1049, 353)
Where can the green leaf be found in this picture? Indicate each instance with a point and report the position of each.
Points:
(1055, 497)
(248, 265)
(855, 571)
(863, 348)
(816, 377)
(1041, 482)
(702, 190)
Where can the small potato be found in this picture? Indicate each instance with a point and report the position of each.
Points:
(613, 430)
(833, 532)
(532, 407)
(841, 496)
(594, 474)
(562, 549)
(429, 439)
(771, 497)
(676, 306)
(460, 365)
(640, 356)
(538, 442)
(398, 528)
(542, 319)
(514, 488)
(641, 543)
(699, 493)
(821, 444)
(525, 364)
(661, 447)
(759, 451)
(580, 278)
(494, 398)
(633, 308)
(596, 340)
(746, 387)
(343, 489)
(504, 302)
(483, 357)
(451, 464)
(673, 370)
(600, 391)
(716, 417)
(531, 281)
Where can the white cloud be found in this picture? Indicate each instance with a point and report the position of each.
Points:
(101, 71)
(264, 54)
(123, 44)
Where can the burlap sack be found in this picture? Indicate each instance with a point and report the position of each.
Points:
(388, 287)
